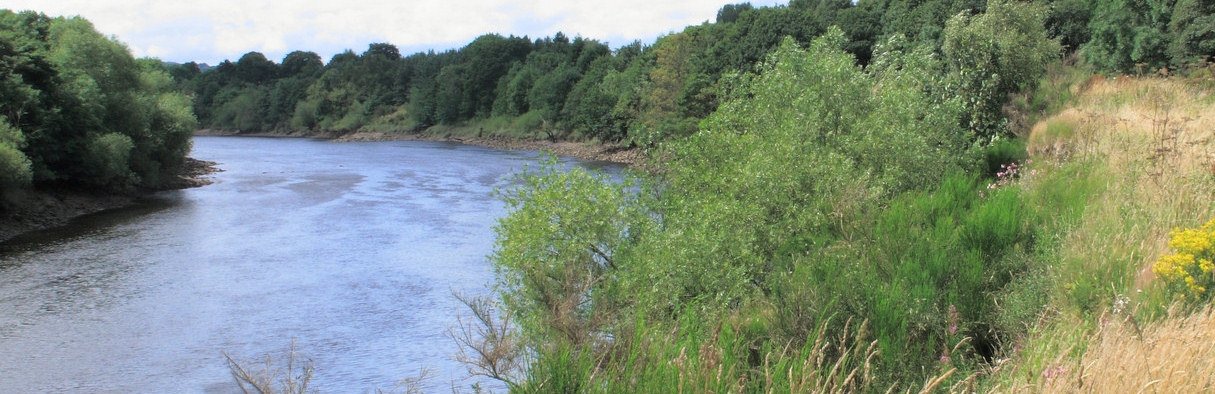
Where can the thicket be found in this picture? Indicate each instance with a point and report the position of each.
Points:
(818, 195)
(76, 108)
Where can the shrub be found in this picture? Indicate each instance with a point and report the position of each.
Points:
(14, 165)
(1004, 152)
(993, 55)
(561, 251)
(108, 159)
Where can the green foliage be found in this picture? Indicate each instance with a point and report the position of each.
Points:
(1192, 26)
(108, 158)
(790, 164)
(994, 55)
(253, 68)
(1129, 35)
(733, 356)
(1067, 21)
(559, 252)
(937, 255)
(79, 109)
(730, 12)
(242, 109)
(1003, 152)
(14, 166)
(588, 108)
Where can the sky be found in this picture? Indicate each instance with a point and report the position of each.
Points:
(209, 31)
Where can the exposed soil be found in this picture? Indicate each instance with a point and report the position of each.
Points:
(580, 150)
(27, 210)
(632, 157)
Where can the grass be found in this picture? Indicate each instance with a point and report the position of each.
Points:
(1140, 155)
(1172, 356)
(726, 359)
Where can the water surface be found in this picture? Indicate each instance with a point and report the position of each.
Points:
(352, 250)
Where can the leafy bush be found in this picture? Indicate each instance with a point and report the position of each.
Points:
(1128, 35)
(1193, 28)
(108, 160)
(563, 250)
(1003, 152)
(993, 55)
(933, 259)
(14, 166)
(83, 110)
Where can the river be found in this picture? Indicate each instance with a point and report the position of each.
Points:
(351, 250)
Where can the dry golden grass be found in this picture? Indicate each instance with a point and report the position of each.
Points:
(1175, 355)
(1155, 139)
(1151, 142)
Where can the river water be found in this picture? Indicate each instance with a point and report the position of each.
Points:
(351, 250)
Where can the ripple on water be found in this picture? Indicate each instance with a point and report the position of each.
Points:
(350, 250)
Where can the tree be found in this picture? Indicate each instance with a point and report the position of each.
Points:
(254, 68)
(78, 108)
(662, 117)
(560, 250)
(14, 166)
(385, 50)
(995, 54)
(1068, 22)
(1192, 26)
(588, 108)
(1129, 35)
(730, 12)
(550, 90)
(485, 61)
(300, 63)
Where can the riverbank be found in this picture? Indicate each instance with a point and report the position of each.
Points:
(588, 151)
(28, 210)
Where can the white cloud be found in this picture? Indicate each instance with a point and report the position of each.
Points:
(212, 30)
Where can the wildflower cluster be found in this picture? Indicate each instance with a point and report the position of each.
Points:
(1190, 268)
(1008, 173)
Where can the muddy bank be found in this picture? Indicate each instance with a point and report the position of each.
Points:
(27, 210)
(580, 150)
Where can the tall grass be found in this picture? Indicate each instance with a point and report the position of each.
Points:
(1133, 159)
(1172, 356)
(727, 358)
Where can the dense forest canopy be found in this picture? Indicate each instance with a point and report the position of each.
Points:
(76, 108)
(643, 94)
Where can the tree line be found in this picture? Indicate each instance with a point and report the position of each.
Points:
(78, 107)
(643, 94)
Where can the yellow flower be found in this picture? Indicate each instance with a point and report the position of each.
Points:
(1190, 270)
(1193, 286)
(1209, 227)
(1190, 241)
(1173, 267)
